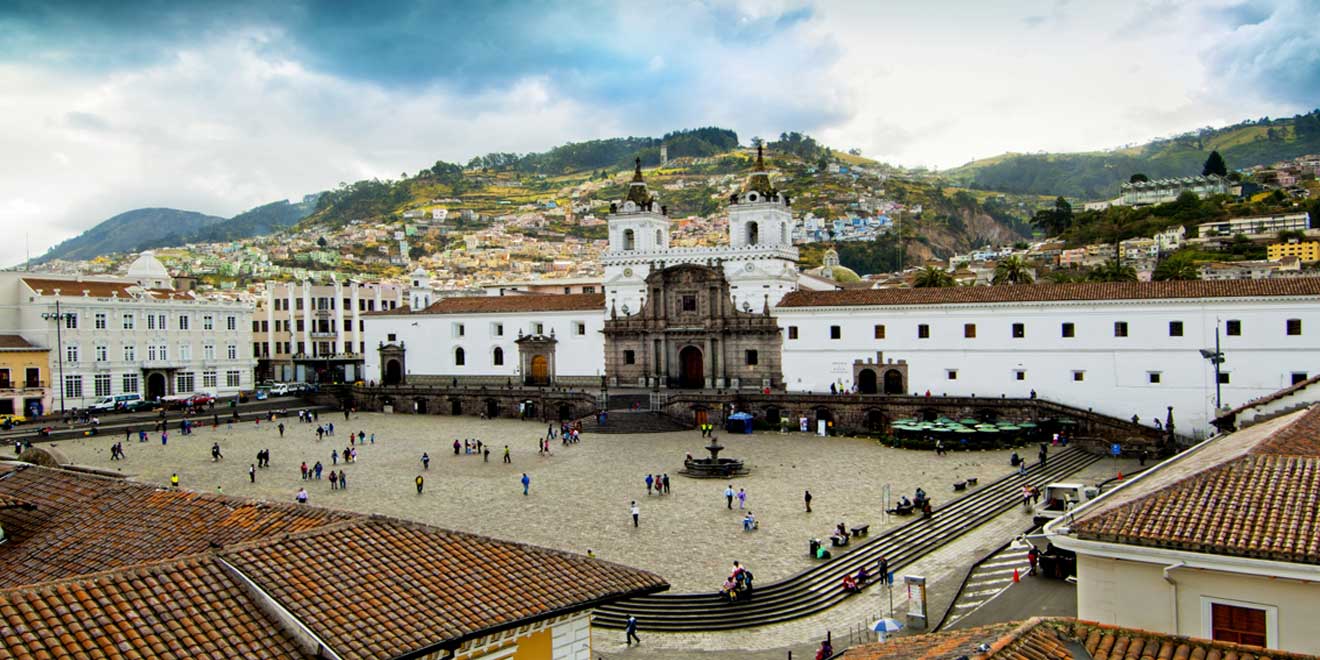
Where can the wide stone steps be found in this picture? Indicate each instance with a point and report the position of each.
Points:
(628, 421)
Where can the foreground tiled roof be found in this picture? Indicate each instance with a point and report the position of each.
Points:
(443, 585)
(14, 341)
(180, 609)
(1271, 397)
(94, 288)
(1261, 501)
(1293, 286)
(1052, 639)
(567, 302)
(84, 523)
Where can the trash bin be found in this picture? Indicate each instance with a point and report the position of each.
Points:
(815, 545)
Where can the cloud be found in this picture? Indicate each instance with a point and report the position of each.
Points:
(1271, 52)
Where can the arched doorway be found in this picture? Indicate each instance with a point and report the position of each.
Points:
(492, 409)
(155, 387)
(772, 416)
(527, 410)
(824, 415)
(700, 415)
(866, 381)
(894, 382)
(876, 421)
(565, 412)
(539, 372)
(456, 406)
(419, 406)
(693, 375)
(393, 372)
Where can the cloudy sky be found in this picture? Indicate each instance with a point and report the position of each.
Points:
(220, 106)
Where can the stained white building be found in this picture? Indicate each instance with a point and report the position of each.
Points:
(130, 335)
(760, 261)
(311, 332)
(1121, 348)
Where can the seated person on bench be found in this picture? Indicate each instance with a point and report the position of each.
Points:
(822, 553)
(903, 507)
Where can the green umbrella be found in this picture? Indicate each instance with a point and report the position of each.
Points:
(1028, 425)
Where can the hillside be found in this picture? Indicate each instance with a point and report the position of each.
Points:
(1097, 175)
(132, 231)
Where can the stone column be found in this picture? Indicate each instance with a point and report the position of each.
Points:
(308, 318)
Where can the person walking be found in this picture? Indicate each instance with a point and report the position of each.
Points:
(334, 480)
(526, 482)
(1026, 496)
(742, 499)
(281, 427)
(485, 458)
(174, 481)
(426, 461)
(630, 628)
(635, 511)
(252, 473)
(665, 479)
(1043, 453)
(334, 456)
(806, 497)
(343, 479)
(507, 459)
(420, 482)
(728, 496)
(649, 480)
(301, 497)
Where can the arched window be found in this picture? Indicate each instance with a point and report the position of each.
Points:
(783, 234)
(460, 358)
(753, 233)
(629, 240)
(497, 357)
(659, 238)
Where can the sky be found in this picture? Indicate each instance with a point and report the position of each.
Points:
(218, 107)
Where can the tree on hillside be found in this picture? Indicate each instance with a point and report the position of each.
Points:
(1214, 164)
(1112, 271)
(321, 241)
(933, 276)
(1177, 266)
(1054, 221)
(1012, 270)
(1138, 178)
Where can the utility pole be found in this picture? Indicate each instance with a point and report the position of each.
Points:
(59, 319)
(1216, 357)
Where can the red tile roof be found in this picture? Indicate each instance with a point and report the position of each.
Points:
(1300, 438)
(1292, 286)
(180, 609)
(444, 585)
(16, 341)
(70, 287)
(567, 302)
(1051, 639)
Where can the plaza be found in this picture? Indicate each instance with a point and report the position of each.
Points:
(579, 494)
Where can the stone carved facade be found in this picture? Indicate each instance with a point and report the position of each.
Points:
(689, 335)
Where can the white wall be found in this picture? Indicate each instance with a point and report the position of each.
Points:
(1115, 381)
(430, 341)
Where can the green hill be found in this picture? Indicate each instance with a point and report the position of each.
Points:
(1097, 175)
(132, 231)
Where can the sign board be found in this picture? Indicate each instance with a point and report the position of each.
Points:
(820, 428)
(916, 594)
(1115, 449)
(803, 424)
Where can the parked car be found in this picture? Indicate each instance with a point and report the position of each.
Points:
(281, 389)
(12, 420)
(141, 405)
(262, 393)
(114, 402)
(199, 399)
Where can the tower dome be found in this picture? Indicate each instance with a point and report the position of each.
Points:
(149, 272)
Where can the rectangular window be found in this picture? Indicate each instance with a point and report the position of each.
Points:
(183, 322)
(231, 351)
(160, 322)
(130, 383)
(101, 384)
(151, 352)
(185, 352)
(208, 322)
(792, 332)
(71, 353)
(164, 352)
(32, 377)
(629, 357)
(1233, 327)
(689, 303)
(879, 331)
(1020, 375)
(151, 321)
(1298, 376)
(208, 352)
(1175, 329)
(836, 332)
(1067, 330)
(459, 330)
(1153, 377)
(581, 328)
(1019, 330)
(969, 331)
(498, 330)
(102, 353)
(300, 325)
(1240, 625)
(1079, 376)
(391, 337)
(73, 387)
(1223, 378)
(233, 378)
(100, 320)
(1120, 328)
(130, 353)
(185, 382)
(208, 380)
(923, 331)
(256, 326)
(539, 328)
(71, 323)
(4, 379)
(951, 374)
(130, 321)
(231, 323)
(752, 358)
(1294, 327)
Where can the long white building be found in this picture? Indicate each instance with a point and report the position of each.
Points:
(1121, 348)
(131, 335)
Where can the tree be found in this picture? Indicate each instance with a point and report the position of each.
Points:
(1138, 178)
(1112, 271)
(1214, 164)
(1178, 266)
(1012, 270)
(321, 241)
(933, 276)
(1054, 221)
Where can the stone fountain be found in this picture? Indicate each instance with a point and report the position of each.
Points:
(713, 467)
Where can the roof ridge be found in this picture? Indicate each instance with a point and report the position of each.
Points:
(148, 566)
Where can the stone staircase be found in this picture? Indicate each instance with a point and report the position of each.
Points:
(630, 421)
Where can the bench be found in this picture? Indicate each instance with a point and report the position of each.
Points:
(860, 530)
(971, 481)
(960, 485)
(838, 541)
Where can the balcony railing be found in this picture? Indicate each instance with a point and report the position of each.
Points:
(22, 385)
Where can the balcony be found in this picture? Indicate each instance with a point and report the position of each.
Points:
(323, 334)
(15, 385)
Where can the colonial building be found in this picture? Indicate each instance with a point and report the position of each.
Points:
(1218, 542)
(1124, 349)
(24, 377)
(306, 332)
(130, 335)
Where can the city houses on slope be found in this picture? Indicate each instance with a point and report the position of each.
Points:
(135, 335)
(1218, 542)
(90, 573)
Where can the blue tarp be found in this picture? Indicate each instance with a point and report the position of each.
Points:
(739, 422)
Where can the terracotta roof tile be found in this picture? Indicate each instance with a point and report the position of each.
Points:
(1292, 286)
(443, 585)
(188, 608)
(1300, 438)
(1052, 639)
(14, 341)
(1272, 397)
(567, 302)
(94, 288)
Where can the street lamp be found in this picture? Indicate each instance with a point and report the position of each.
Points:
(1216, 357)
(59, 318)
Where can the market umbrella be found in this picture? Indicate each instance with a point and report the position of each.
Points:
(885, 626)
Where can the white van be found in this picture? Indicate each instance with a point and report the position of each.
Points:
(115, 402)
(280, 389)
